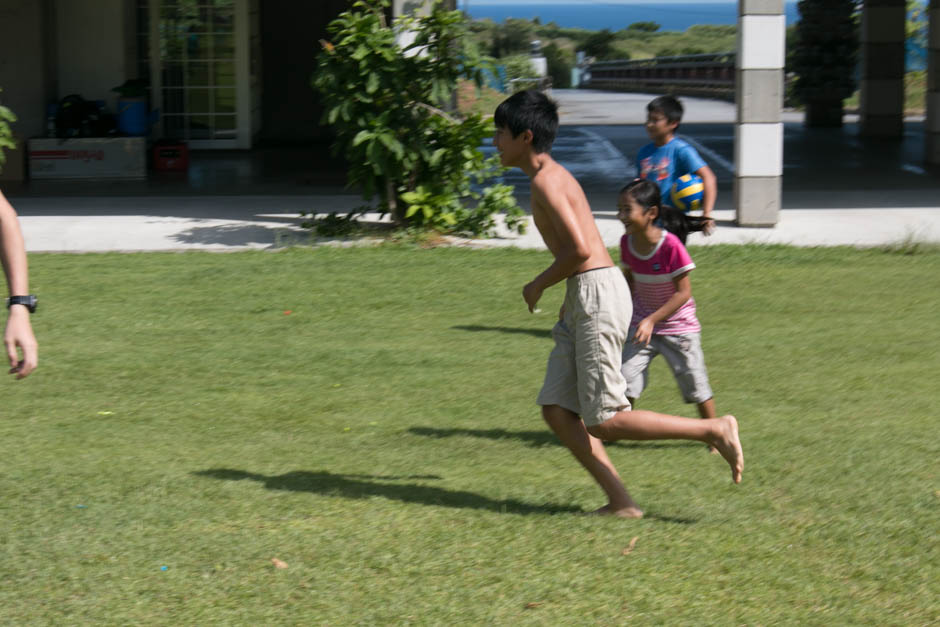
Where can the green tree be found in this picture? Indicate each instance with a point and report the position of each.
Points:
(918, 24)
(560, 63)
(6, 135)
(514, 36)
(644, 27)
(599, 44)
(517, 66)
(388, 105)
(824, 58)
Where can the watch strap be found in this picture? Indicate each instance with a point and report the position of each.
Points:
(29, 301)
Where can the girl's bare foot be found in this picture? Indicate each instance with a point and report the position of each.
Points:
(620, 512)
(729, 445)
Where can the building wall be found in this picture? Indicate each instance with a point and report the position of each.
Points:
(23, 75)
(96, 47)
(255, 63)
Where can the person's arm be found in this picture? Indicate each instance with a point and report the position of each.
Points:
(572, 246)
(644, 330)
(18, 335)
(628, 275)
(710, 182)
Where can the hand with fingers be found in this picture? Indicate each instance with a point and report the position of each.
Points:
(644, 332)
(19, 339)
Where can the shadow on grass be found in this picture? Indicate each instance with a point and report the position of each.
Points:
(477, 327)
(537, 439)
(546, 438)
(366, 486)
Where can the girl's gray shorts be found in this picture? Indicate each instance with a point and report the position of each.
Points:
(684, 355)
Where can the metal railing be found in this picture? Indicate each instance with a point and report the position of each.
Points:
(710, 75)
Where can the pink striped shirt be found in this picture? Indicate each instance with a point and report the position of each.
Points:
(653, 286)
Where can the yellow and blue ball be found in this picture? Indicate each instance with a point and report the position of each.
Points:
(687, 192)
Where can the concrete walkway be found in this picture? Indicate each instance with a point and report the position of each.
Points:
(840, 190)
(129, 233)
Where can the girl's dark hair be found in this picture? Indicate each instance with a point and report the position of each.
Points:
(644, 192)
(530, 110)
(680, 224)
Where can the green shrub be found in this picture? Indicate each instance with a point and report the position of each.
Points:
(517, 66)
(560, 62)
(388, 106)
(823, 58)
(6, 135)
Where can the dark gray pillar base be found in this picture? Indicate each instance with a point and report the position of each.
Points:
(887, 126)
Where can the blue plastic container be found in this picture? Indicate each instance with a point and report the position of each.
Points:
(133, 118)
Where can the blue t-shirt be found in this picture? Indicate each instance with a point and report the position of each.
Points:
(664, 164)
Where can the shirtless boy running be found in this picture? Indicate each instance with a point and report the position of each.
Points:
(583, 398)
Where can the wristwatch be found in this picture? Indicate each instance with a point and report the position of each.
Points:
(29, 301)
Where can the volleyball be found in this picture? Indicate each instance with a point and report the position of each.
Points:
(687, 192)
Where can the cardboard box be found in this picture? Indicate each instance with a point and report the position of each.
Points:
(88, 157)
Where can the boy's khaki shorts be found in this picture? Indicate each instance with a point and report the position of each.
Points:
(583, 373)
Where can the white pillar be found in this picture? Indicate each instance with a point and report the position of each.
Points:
(932, 130)
(758, 138)
(881, 102)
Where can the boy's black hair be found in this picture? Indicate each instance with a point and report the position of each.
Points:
(668, 106)
(530, 110)
(647, 195)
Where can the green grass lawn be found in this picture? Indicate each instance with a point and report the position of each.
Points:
(381, 439)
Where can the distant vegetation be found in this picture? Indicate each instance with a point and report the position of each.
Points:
(641, 40)
(509, 43)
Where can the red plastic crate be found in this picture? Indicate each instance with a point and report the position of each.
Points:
(171, 157)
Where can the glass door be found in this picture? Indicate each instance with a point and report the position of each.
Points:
(198, 71)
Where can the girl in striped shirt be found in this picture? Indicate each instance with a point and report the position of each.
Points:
(657, 267)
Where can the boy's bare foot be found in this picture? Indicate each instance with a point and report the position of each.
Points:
(729, 445)
(620, 512)
(712, 450)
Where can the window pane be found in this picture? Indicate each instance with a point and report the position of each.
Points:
(197, 101)
(223, 73)
(197, 74)
(197, 46)
(225, 127)
(200, 127)
(224, 47)
(225, 101)
(223, 20)
(172, 44)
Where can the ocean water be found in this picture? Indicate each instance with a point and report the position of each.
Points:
(677, 16)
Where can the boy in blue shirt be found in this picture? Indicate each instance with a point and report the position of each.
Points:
(667, 157)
